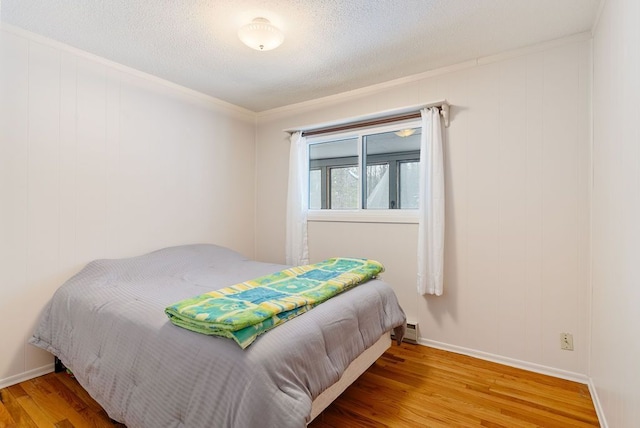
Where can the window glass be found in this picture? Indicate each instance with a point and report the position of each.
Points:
(389, 149)
(339, 160)
(344, 188)
(334, 150)
(315, 189)
(409, 174)
(378, 186)
(389, 155)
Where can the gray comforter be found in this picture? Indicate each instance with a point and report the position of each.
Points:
(107, 324)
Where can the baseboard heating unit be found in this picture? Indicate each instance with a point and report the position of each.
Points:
(410, 334)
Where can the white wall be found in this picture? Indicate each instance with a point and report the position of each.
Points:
(517, 175)
(615, 350)
(98, 161)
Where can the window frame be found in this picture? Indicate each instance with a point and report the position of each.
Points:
(361, 214)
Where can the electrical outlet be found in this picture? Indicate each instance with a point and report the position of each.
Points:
(566, 341)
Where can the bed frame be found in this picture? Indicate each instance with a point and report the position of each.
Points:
(353, 371)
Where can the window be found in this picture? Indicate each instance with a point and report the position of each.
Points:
(390, 157)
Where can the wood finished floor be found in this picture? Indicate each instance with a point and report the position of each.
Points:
(409, 386)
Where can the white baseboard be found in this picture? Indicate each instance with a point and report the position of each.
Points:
(537, 368)
(597, 404)
(12, 380)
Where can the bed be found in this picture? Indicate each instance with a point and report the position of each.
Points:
(107, 325)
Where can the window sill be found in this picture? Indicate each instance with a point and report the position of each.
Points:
(364, 216)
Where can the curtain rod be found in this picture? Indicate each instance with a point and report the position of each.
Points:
(379, 118)
(361, 124)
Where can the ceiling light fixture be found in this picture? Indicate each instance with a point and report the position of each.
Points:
(261, 35)
(405, 132)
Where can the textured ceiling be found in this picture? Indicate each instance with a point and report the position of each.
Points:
(330, 46)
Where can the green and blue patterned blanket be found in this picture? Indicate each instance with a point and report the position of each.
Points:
(244, 311)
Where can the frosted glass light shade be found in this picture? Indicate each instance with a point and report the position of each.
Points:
(261, 35)
(405, 132)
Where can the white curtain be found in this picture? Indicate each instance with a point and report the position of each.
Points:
(431, 205)
(297, 251)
